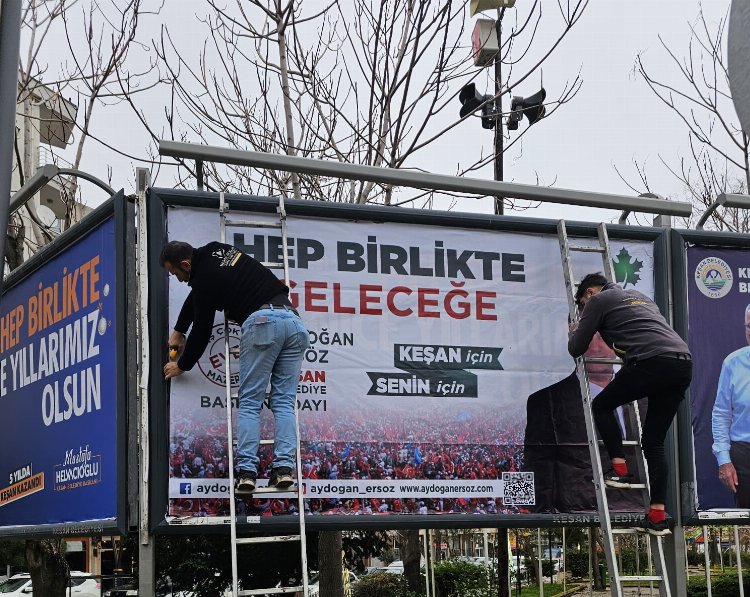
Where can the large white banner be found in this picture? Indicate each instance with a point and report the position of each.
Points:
(426, 342)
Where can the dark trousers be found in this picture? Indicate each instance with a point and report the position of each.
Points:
(739, 454)
(663, 379)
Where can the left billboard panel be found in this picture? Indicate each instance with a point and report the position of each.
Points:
(59, 390)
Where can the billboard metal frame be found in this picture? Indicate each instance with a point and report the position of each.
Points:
(685, 453)
(159, 201)
(115, 207)
(404, 177)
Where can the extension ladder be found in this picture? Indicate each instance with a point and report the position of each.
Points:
(300, 537)
(655, 542)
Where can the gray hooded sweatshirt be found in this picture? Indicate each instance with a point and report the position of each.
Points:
(629, 322)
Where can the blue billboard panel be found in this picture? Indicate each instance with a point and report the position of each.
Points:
(719, 337)
(58, 388)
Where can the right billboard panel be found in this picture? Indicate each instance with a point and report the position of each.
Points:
(719, 337)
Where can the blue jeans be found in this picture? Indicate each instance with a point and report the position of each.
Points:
(272, 346)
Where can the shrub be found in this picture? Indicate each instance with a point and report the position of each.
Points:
(577, 563)
(548, 567)
(695, 559)
(629, 566)
(381, 584)
(722, 585)
(455, 578)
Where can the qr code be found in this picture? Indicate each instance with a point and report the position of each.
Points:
(519, 489)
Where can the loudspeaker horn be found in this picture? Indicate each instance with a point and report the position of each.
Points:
(532, 106)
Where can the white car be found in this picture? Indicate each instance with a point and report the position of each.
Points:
(314, 586)
(81, 585)
(396, 567)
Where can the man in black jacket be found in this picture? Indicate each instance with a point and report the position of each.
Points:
(223, 278)
(656, 363)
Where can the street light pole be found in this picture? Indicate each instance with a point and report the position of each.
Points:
(503, 572)
(499, 207)
(10, 39)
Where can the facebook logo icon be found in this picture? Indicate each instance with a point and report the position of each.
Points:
(185, 488)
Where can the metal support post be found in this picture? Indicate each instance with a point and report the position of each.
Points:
(427, 561)
(707, 559)
(433, 556)
(499, 139)
(539, 576)
(199, 174)
(10, 40)
(518, 561)
(564, 562)
(674, 544)
(146, 563)
(739, 560)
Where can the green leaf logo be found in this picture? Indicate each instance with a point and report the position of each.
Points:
(626, 268)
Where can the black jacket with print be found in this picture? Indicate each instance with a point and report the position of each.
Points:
(222, 278)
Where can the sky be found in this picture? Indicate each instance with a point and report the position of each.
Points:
(614, 120)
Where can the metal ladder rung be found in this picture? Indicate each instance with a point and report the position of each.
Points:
(585, 249)
(632, 486)
(273, 264)
(625, 442)
(273, 539)
(641, 578)
(266, 490)
(266, 442)
(274, 591)
(249, 224)
(624, 531)
(602, 360)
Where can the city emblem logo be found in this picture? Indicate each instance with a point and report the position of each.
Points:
(713, 277)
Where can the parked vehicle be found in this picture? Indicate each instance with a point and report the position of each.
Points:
(482, 561)
(396, 567)
(132, 591)
(314, 586)
(82, 584)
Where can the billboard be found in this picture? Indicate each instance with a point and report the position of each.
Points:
(61, 387)
(718, 293)
(428, 345)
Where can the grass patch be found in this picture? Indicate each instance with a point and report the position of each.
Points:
(533, 590)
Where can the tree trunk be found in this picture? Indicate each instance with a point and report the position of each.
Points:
(329, 560)
(597, 578)
(14, 243)
(532, 571)
(47, 566)
(291, 148)
(411, 553)
(713, 552)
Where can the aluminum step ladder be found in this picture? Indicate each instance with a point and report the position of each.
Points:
(266, 492)
(655, 543)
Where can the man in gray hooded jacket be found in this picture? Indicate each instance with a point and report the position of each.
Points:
(656, 364)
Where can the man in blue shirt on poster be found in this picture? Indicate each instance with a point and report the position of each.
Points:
(730, 421)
